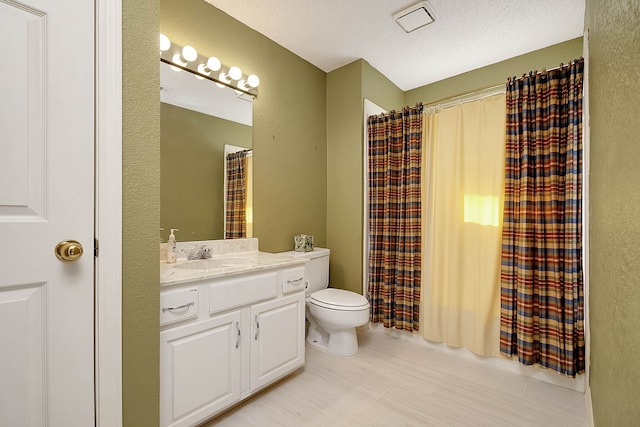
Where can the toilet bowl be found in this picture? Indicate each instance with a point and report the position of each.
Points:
(333, 314)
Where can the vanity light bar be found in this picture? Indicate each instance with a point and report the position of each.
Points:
(187, 59)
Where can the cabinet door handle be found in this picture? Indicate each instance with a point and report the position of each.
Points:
(296, 281)
(187, 305)
(238, 336)
(257, 328)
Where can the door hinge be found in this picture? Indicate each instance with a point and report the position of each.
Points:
(95, 247)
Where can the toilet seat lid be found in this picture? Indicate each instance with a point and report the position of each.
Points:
(339, 299)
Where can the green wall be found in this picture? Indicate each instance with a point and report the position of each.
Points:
(289, 138)
(344, 176)
(308, 152)
(496, 74)
(614, 308)
(192, 171)
(379, 90)
(346, 89)
(140, 213)
(289, 120)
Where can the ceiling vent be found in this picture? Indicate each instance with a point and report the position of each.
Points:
(414, 17)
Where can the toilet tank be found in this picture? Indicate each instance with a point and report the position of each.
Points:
(316, 269)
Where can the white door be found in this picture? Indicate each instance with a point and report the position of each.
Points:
(199, 369)
(277, 345)
(46, 196)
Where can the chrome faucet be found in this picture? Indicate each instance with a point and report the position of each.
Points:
(202, 252)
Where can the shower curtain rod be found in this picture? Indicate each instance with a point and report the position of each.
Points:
(387, 113)
(474, 95)
(545, 70)
(480, 93)
(247, 153)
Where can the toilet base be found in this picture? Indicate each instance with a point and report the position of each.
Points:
(343, 343)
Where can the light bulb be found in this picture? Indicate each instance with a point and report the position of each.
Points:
(223, 78)
(214, 64)
(178, 60)
(253, 81)
(202, 69)
(235, 73)
(165, 43)
(189, 53)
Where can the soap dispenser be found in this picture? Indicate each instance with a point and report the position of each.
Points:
(172, 250)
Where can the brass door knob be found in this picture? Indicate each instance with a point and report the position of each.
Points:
(69, 250)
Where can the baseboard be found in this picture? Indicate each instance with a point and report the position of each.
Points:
(589, 404)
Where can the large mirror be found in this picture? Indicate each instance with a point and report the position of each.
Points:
(197, 120)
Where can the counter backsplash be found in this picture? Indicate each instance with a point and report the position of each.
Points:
(217, 247)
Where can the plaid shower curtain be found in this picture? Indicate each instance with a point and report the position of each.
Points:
(394, 148)
(236, 214)
(542, 296)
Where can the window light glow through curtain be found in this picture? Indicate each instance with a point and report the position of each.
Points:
(483, 210)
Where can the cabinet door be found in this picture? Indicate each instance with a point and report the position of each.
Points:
(277, 339)
(199, 369)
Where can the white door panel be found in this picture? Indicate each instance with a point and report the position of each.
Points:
(199, 369)
(277, 347)
(22, 119)
(23, 347)
(46, 196)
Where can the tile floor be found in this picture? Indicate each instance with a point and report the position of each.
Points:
(394, 382)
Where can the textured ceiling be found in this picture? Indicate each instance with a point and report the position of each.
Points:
(466, 35)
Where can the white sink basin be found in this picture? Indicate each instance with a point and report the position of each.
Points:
(215, 263)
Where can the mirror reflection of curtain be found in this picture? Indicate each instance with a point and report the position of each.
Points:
(236, 214)
(462, 224)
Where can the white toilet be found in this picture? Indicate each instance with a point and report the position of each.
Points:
(333, 314)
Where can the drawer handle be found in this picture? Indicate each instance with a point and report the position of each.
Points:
(296, 281)
(180, 307)
(238, 336)
(257, 328)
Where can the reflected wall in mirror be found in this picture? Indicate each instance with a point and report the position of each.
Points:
(197, 119)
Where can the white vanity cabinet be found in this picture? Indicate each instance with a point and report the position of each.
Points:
(248, 332)
(277, 342)
(199, 369)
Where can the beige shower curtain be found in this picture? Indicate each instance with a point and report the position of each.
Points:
(462, 220)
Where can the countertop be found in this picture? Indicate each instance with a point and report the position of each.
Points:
(238, 263)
